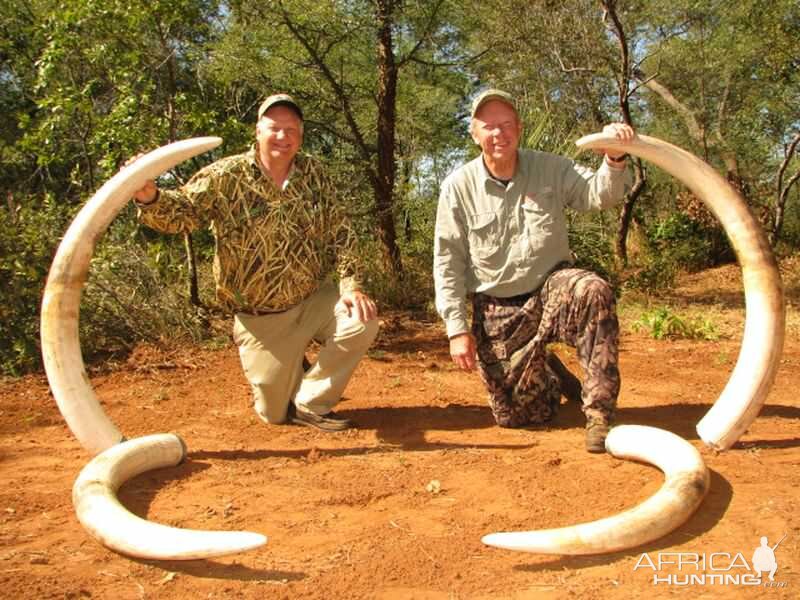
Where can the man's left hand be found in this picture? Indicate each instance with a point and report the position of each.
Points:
(363, 306)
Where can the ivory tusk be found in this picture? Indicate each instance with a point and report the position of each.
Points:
(686, 484)
(94, 492)
(100, 512)
(762, 343)
(61, 350)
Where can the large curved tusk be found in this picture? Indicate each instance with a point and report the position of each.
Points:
(686, 484)
(100, 512)
(762, 343)
(61, 350)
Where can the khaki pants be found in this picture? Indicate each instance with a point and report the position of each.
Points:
(271, 348)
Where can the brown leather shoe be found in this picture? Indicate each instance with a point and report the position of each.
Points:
(327, 422)
(596, 432)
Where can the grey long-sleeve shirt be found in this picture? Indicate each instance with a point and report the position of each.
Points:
(504, 240)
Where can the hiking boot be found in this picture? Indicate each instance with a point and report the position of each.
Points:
(596, 432)
(570, 385)
(327, 422)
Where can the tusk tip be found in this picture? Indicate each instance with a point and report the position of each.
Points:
(523, 541)
(256, 541)
(501, 540)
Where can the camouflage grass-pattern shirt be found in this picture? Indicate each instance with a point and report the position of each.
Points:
(273, 247)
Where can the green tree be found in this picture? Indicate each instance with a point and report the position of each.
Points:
(573, 61)
(19, 47)
(377, 79)
(718, 78)
(90, 83)
(727, 75)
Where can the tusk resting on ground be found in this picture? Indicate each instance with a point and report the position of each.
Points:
(61, 350)
(686, 484)
(762, 343)
(102, 515)
(94, 492)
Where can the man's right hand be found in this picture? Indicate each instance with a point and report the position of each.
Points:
(463, 350)
(148, 193)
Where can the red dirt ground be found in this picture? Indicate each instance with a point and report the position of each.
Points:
(352, 514)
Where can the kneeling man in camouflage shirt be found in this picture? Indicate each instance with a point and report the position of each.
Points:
(281, 237)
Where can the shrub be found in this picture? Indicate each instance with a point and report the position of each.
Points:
(673, 244)
(661, 323)
(28, 238)
(592, 247)
(684, 241)
(135, 290)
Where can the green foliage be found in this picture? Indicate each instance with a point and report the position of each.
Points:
(790, 234)
(113, 78)
(84, 84)
(135, 293)
(135, 290)
(544, 134)
(415, 227)
(26, 247)
(656, 275)
(661, 323)
(592, 246)
(673, 244)
(558, 59)
(87, 84)
(682, 241)
(413, 291)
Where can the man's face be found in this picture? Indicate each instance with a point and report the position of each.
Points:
(280, 133)
(496, 129)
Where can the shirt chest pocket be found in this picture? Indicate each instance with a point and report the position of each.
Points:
(540, 221)
(484, 234)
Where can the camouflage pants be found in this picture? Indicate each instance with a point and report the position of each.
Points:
(573, 306)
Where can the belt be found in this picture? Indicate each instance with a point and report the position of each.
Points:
(261, 313)
(264, 313)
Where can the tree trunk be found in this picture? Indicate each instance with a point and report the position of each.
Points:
(191, 276)
(12, 206)
(626, 214)
(382, 178)
(192, 286)
(783, 191)
(623, 89)
(387, 100)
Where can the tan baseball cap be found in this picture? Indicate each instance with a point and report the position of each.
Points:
(492, 94)
(279, 100)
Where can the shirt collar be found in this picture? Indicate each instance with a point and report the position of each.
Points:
(487, 177)
(298, 164)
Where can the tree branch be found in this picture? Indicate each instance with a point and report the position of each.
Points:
(337, 133)
(466, 61)
(785, 164)
(567, 69)
(624, 72)
(790, 183)
(722, 109)
(335, 85)
(428, 29)
(696, 130)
